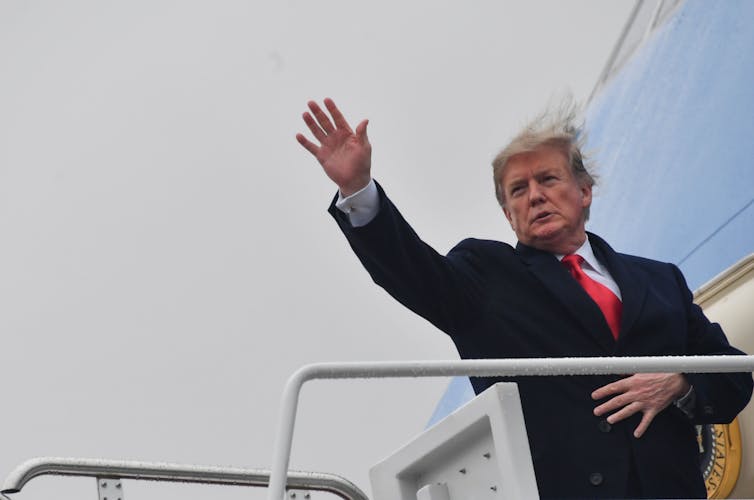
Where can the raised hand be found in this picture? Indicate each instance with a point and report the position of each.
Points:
(345, 155)
(649, 393)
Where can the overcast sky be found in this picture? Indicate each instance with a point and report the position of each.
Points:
(166, 259)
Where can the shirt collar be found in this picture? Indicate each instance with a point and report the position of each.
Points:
(586, 253)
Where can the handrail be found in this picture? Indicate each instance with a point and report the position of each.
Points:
(123, 469)
(477, 368)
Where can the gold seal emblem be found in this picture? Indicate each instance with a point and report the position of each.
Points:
(719, 457)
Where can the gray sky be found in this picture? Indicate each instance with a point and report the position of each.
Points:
(166, 259)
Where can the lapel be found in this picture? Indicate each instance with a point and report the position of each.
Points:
(633, 285)
(546, 267)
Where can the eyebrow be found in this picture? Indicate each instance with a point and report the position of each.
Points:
(515, 182)
(538, 170)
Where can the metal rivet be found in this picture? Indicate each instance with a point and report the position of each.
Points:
(104, 484)
(117, 485)
(493, 488)
(462, 471)
(487, 455)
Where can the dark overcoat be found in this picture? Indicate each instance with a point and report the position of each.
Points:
(497, 301)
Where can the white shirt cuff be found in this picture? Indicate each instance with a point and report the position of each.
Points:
(362, 206)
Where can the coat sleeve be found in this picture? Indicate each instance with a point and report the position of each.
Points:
(446, 290)
(719, 396)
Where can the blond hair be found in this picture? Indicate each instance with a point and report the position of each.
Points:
(557, 128)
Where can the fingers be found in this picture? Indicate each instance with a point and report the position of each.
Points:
(321, 126)
(648, 393)
(337, 116)
(644, 424)
(613, 404)
(310, 146)
(613, 388)
(322, 118)
(647, 416)
(314, 127)
(625, 412)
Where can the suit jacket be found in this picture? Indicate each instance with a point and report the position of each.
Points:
(497, 301)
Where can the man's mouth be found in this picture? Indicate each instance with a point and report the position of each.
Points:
(541, 217)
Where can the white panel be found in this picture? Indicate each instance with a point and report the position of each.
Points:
(478, 452)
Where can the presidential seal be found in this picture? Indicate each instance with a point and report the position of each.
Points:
(719, 457)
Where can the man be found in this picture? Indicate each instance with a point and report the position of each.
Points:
(560, 292)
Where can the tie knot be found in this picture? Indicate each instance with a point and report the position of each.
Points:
(573, 260)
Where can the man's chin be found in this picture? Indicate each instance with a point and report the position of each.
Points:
(557, 240)
(548, 234)
(548, 239)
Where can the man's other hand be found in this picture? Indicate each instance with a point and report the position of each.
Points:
(344, 154)
(649, 393)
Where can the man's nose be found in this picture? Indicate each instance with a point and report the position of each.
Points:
(536, 194)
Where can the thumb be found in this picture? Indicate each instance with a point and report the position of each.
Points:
(361, 130)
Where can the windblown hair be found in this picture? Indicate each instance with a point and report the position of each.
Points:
(556, 127)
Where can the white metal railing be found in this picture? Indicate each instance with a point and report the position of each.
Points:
(121, 469)
(477, 368)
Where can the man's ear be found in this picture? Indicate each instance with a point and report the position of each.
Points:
(586, 195)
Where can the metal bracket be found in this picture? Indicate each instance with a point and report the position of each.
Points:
(109, 488)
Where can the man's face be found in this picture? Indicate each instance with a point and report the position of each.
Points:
(544, 203)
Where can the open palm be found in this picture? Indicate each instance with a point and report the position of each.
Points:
(345, 154)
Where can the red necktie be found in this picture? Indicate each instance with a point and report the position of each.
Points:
(604, 297)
